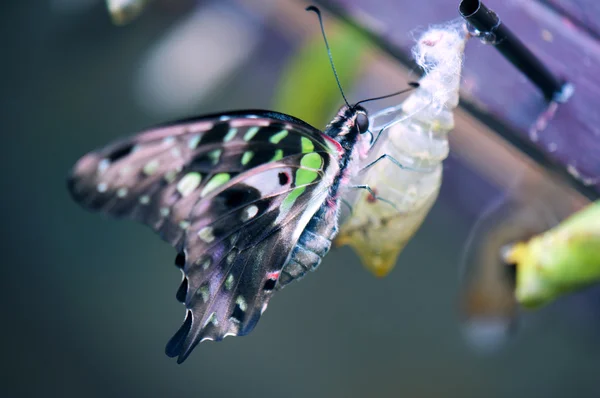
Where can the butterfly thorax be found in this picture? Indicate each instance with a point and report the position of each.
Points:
(343, 127)
(345, 130)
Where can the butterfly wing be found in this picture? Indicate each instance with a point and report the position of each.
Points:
(231, 192)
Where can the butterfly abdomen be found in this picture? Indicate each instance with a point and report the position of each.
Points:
(312, 246)
(315, 241)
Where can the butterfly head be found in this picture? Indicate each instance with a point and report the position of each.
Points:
(348, 125)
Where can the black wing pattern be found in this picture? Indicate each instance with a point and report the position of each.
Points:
(232, 193)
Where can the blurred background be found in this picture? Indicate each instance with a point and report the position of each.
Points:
(89, 302)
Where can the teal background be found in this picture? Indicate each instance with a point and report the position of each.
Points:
(88, 302)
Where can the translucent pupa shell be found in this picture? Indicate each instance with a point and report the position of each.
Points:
(416, 136)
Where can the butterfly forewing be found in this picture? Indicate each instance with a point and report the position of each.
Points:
(158, 175)
(231, 192)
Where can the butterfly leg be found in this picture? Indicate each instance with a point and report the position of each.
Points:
(344, 201)
(368, 189)
(390, 158)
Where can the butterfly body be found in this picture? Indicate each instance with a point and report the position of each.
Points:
(249, 199)
(317, 237)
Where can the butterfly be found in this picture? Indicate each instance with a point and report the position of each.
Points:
(249, 199)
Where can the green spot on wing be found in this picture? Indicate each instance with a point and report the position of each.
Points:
(312, 160)
(291, 198)
(188, 183)
(215, 182)
(247, 157)
(278, 155)
(230, 134)
(275, 139)
(251, 133)
(305, 176)
(215, 155)
(307, 145)
(307, 173)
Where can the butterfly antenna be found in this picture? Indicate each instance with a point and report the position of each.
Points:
(318, 12)
(412, 85)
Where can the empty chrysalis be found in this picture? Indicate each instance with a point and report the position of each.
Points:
(416, 135)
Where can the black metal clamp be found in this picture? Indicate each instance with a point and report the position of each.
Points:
(485, 24)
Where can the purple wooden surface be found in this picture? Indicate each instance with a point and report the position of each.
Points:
(583, 13)
(572, 136)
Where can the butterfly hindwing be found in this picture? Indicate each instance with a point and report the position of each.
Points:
(231, 192)
(228, 297)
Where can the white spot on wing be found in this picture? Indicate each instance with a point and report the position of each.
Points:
(249, 212)
(206, 234)
(231, 257)
(203, 292)
(241, 303)
(151, 167)
(102, 187)
(229, 282)
(193, 143)
(170, 176)
(212, 318)
(122, 192)
(103, 165)
(268, 181)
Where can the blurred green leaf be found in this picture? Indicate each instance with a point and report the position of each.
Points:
(561, 260)
(307, 88)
